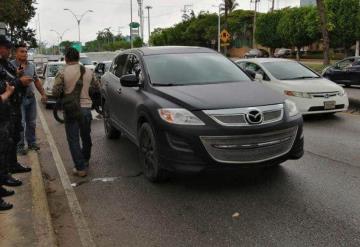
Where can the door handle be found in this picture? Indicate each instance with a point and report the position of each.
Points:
(118, 91)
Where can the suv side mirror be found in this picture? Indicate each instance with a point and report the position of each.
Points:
(259, 77)
(129, 80)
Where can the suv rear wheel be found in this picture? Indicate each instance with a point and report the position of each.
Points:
(110, 131)
(149, 156)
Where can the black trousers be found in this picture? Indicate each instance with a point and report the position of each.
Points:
(6, 143)
(15, 130)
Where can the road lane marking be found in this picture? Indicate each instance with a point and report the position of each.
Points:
(75, 208)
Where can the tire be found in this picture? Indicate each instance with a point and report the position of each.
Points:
(347, 85)
(110, 131)
(58, 112)
(149, 156)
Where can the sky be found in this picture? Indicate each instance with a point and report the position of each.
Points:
(116, 15)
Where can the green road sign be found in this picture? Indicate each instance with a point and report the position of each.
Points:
(77, 46)
(134, 25)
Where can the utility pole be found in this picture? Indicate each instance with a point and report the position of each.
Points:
(141, 15)
(254, 25)
(273, 6)
(131, 21)
(40, 49)
(148, 9)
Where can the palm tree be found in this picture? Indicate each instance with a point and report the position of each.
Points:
(229, 6)
(324, 30)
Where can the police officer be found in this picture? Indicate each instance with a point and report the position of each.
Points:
(11, 116)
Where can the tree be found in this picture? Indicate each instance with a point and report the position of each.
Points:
(266, 30)
(17, 14)
(324, 30)
(229, 6)
(342, 18)
(299, 27)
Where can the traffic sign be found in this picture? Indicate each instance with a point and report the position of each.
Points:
(225, 36)
(134, 25)
(77, 46)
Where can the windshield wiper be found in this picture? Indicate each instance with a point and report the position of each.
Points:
(301, 77)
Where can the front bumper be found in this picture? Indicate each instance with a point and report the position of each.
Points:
(192, 149)
(316, 105)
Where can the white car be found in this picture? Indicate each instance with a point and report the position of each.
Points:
(312, 93)
(48, 78)
(86, 61)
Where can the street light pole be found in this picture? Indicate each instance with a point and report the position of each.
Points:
(78, 20)
(148, 9)
(254, 25)
(219, 26)
(357, 43)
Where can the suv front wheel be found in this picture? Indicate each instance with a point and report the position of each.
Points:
(149, 156)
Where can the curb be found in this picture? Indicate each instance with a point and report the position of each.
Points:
(42, 220)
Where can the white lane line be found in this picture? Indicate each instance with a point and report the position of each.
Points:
(79, 219)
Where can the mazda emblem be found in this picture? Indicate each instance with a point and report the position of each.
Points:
(254, 116)
(327, 96)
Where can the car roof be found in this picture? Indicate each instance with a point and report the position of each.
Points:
(157, 50)
(264, 60)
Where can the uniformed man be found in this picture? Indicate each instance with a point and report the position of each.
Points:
(13, 119)
(5, 92)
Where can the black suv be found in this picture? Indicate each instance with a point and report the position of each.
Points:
(190, 108)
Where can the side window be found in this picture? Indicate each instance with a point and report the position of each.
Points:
(242, 65)
(345, 63)
(133, 67)
(256, 68)
(118, 65)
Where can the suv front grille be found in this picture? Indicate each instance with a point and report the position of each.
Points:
(246, 149)
(237, 116)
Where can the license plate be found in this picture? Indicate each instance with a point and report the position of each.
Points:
(329, 105)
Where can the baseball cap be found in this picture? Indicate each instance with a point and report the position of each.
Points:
(4, 41)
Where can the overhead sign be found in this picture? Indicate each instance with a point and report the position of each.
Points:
(225, 36)
(134, 25)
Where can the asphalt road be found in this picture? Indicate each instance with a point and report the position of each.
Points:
(311, 202)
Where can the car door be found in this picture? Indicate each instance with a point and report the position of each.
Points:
(131, 96)
(113, 88)
(340, 72)
(354, 71)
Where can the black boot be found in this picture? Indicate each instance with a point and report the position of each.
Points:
(4, 192)
(8, 180)
(4, 205)
(19, 168)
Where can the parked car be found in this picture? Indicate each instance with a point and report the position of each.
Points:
(282, 53)
(254, 53)
(86, 61)
(346, 72)
(48, 77)
(312, 93)
(190, 109)
(101, 68)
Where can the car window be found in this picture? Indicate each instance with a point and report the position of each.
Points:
(119, 64)
(85, 61)
(345, 63)
(289, 70)
(241, 64)
(132, 66)
(193, 68)
(257, 70)
(52, 69)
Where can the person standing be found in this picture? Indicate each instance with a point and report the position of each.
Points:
(28, 107)
(11, 91)
(72, 84)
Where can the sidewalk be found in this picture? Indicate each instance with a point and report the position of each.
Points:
(29, 222)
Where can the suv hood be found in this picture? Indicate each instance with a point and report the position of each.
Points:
(318, 85)
(220, 96)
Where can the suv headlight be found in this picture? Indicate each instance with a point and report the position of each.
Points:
(179, 116)
(297, 94)
(291, 108)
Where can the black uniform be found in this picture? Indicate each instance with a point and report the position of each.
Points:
(11, 112)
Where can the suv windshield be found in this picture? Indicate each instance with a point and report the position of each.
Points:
(52, 69)
(287, 70)
(85, 61)
(192, 68)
